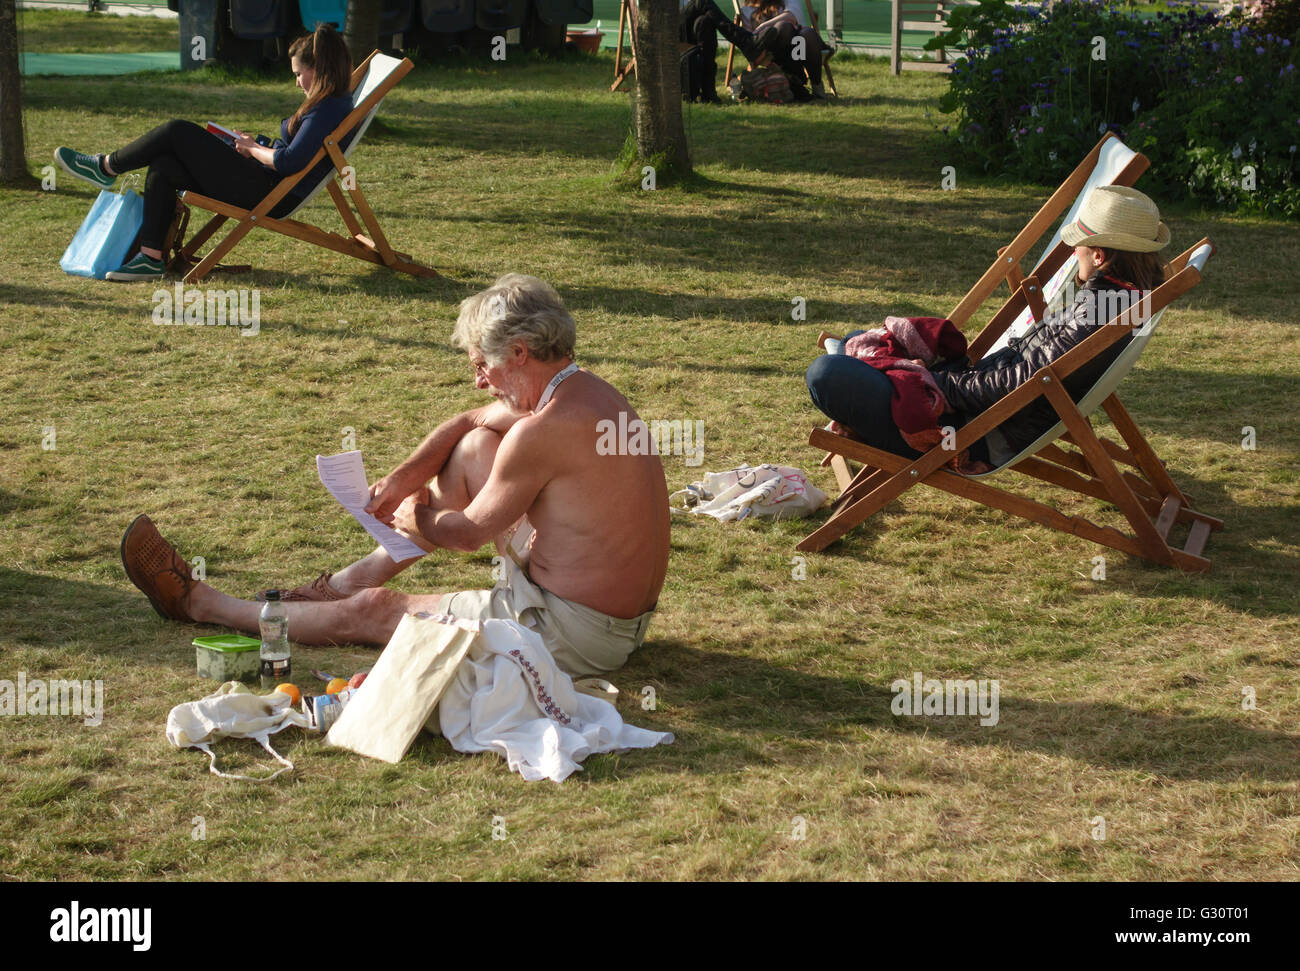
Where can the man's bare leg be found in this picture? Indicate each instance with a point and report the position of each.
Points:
(369, 617)
(372, 613)
(460, 480)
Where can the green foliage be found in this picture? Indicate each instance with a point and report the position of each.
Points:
(1037, 87)
(1280, 17)
(1230, 132)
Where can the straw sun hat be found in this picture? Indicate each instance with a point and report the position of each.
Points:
(1119, 217)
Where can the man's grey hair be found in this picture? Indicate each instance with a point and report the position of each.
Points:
(516, 308)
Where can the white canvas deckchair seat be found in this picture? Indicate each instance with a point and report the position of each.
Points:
(380, 67)
(1111, 378)
(1118, 369)
(1111, 161)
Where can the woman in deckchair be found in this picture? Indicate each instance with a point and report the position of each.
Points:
(181, 155)
(897, 388)
(775, 30)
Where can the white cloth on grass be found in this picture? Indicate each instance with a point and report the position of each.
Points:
(772, 491)
(509, 697)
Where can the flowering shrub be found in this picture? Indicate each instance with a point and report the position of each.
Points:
(1213, 101)
(1280, 17)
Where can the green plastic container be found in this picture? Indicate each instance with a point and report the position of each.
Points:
(229, 657)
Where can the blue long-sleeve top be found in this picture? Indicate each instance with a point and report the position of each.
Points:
(292, 154)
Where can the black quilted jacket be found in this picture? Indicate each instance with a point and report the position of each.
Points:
(972, 389)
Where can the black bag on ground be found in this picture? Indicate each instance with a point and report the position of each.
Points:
(693, 74)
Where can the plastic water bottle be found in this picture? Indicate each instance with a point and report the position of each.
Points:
(274, 625)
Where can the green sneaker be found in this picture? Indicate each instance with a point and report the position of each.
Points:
(84, 167)
(139, 267)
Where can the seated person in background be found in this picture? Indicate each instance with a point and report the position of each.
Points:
(583, 535)
(1115, 238)
(700, 23)
(181, 155)
(775, 29)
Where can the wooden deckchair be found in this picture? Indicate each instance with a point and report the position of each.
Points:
(796, 7)
(371, 81)
(1144, 493)
(627, 20)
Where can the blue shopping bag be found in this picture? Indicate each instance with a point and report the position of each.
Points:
(105, 235)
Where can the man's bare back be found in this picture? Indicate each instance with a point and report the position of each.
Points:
(601, 521)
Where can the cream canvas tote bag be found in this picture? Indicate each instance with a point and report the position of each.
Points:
(382, 719)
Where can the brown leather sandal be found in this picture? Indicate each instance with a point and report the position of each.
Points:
(154, 566)
(319, 591)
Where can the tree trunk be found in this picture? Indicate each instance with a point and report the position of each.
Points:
(362, 29)
(13, 157)
(657, 103)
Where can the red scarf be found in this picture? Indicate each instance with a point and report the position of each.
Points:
(904, 349)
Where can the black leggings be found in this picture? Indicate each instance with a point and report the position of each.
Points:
(778, 40)
(181, 155)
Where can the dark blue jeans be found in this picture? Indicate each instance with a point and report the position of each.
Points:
(858, 397)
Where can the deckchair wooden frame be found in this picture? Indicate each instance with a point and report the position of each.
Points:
(366, 242)
(1006, 266)
(621, 70)
(1144, 493)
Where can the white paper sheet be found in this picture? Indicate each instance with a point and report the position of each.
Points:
(344, 476)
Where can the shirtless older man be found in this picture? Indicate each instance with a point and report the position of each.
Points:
(584, 536)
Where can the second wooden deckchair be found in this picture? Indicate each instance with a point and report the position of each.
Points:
(627, 22)
(807, 18)
(371, 81)
(1144, 493)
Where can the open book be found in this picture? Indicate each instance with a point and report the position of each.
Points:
(222, 132)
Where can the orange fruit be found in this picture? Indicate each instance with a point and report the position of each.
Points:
(292, 691)
(335, 686)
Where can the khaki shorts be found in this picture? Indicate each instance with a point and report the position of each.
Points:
(582, 640)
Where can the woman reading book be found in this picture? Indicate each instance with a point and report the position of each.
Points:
(181, 155)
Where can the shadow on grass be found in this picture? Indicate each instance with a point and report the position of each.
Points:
(46, 611)
(1244, 574)
(13, 295)
(529, 120)
(886, 239)
(1209, 403)
(743, 701)
(12, 502)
